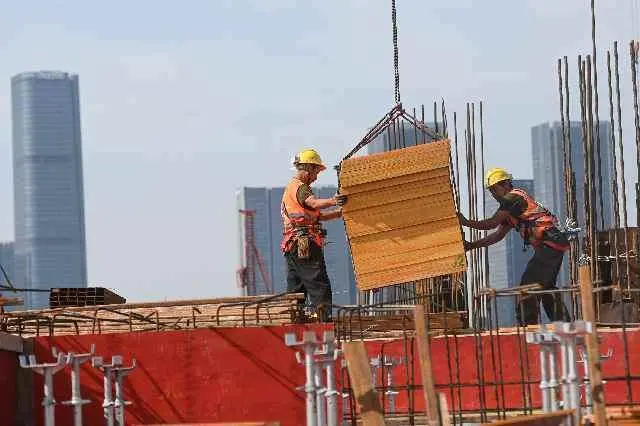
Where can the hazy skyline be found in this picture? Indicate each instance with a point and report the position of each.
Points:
(182, 105)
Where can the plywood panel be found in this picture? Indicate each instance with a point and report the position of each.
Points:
(400, 218)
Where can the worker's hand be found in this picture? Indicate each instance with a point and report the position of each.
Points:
(467, 245)
(463, 220)
(341, 199)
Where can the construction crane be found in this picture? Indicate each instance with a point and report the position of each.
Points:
(252, 256)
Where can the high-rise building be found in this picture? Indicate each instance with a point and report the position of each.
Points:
(7, 262)
(268, 233)
(548, 169)
(48, 184)
(507, 259)
(548, 174)
(258, 201)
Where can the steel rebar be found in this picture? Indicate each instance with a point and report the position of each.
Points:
(455, 141)
(566, 152)
(586, 246)
(634, 79)
(622, 168)
(597, 114)
(616, 206)
(424, 136)
(592, 174)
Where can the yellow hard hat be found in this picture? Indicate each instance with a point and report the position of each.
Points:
(497, 175)
(309, 156)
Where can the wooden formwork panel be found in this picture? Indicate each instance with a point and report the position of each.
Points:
(401, 218)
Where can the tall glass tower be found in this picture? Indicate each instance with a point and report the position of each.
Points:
(48, 189)
(548, 175)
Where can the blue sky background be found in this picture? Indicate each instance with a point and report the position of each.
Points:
(185, 101)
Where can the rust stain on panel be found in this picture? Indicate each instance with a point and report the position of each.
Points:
(400, 218)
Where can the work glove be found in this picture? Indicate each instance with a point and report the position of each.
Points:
(341, 199)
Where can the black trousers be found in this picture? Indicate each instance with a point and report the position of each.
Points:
(309, 276)
(543, 269)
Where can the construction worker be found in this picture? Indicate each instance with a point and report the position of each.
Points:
(304, 237)
(537, 226)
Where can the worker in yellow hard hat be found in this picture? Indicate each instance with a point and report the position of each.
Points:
(538, 228)
(303, 236)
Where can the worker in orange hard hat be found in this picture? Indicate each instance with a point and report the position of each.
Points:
(303, 236)
(538, 228)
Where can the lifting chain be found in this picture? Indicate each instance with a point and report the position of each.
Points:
(396, 71)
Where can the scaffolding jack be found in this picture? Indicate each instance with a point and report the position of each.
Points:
(76, 400)
(317, 357)
(47, 370)
(114, 372)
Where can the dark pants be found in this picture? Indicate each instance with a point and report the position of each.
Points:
(543, 269)
(309, 276)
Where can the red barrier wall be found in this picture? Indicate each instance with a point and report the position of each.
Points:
(8, 385)
(455, 360)
(203, 375)
(248, 374)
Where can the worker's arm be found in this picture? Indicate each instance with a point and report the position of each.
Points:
(330, 215)
(314, 202)
(322, 203)
(493, 222)
(490, 239)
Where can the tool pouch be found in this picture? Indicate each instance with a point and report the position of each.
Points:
(303, 246)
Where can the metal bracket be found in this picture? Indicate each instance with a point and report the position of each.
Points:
(47, 370)
(571, 229)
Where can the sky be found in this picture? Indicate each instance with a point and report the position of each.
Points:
(184, 102)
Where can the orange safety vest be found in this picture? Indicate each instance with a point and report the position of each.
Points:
(298, 219)
(534, 221)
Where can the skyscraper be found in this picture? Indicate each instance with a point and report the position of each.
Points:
(548, 174)
(259, 201)
(48, 184)
(548, 169)
(268, 233)
(7, 262)
(507, 259)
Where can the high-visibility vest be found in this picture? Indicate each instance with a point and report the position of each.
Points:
(534, 221)
(297, 218)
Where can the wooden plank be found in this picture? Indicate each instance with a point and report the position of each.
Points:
(360, 375)
(593, 349)
(444, 410)
(396, 163)
(426, 370)
(180, 303)
(11, 301)
(557, 418)
(423, 235)
(228, 312)
(411, 272)
(400, 219)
